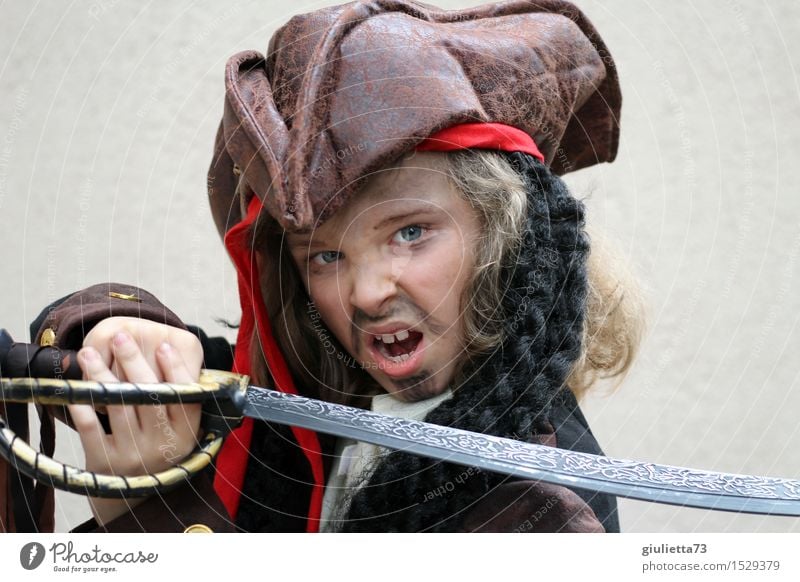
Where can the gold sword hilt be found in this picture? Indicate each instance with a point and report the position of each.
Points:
(222, 395)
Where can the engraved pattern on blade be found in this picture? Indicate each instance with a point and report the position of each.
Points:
(627, 478)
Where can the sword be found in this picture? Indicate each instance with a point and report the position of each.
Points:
(228, 397)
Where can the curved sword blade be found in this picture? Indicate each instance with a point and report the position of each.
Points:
(624, 478)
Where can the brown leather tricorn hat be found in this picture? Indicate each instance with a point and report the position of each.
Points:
(349, 89)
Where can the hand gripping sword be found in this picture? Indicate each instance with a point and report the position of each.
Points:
(228, 397)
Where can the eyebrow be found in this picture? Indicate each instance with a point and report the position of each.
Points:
(415, 211)
(305, 237)
(303, 243)
(419, 210)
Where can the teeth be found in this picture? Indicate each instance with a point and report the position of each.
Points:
(390, 339)
(400, 358)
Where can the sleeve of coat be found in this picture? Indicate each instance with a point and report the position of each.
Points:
(192, 506)
(64, 324)
(527, 506)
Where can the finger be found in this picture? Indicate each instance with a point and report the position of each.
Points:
(123, 419)
(135, 367)
(84, 363)
(88, 425)
(96, 445)
(185, 419)
(130, 359)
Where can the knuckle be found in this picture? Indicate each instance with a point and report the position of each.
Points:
(131, 460)
(81, 423)
(105, 329)
(188, 346)
(93, 364)
(127, 349)
(187, 341)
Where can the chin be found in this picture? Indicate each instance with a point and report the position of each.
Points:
(418, 387)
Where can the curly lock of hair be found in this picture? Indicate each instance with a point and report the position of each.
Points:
(510, 392)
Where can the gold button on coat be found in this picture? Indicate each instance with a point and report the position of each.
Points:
(48, 337)
(198, 528)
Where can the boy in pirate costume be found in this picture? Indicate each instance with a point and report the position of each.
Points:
(386, 183)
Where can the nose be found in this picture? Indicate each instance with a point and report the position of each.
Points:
(373, 285)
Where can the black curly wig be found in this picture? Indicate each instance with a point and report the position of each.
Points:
(511, 391)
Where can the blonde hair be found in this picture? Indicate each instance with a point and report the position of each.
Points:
(614, 316)
(614, 320)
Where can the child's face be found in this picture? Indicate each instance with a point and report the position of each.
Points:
(394, 262)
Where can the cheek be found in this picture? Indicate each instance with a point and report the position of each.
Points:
(438, 281)
(328, 306)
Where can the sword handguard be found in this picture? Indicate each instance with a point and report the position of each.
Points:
(221, 392)
(222, 410)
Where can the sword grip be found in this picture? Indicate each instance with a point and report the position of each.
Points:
(19, 360)
(222, 395)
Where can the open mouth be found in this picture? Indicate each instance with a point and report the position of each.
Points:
(398, 347)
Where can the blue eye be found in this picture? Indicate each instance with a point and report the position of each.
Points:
(325, 257)
(409, 233)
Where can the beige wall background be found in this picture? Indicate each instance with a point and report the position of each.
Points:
(108, 114)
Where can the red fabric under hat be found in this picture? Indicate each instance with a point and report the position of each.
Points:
(490, 136)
